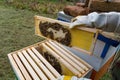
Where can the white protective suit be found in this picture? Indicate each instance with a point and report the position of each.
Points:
(106, 21)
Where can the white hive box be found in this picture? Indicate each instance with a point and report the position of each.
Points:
(47, 60)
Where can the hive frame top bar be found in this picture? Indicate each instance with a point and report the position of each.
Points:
(22, 53)
(66, 24)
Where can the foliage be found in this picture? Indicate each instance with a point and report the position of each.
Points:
(41, 6)
(16, 32)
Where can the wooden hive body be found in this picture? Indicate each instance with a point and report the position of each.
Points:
(31, 63)
(102, 6)
(81, 38)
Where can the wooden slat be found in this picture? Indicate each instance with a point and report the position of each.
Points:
(41, 18)
(21, 67)
(46, 62)
(65, 58)
(47, 72)
(71, 68)
(76, 57)
(40, 64)
(15, 68)
(35, 67)
(69, 56)
(65, 24)
(28, 67)
(55, 73)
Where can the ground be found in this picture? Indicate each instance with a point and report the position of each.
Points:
(16, 32)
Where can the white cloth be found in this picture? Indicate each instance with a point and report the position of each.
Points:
(106, 21)
(73, 78)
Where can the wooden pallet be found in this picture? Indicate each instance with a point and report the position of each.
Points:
(30, 64)
(81, 38)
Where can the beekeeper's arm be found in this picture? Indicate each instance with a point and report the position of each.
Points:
(106, 21)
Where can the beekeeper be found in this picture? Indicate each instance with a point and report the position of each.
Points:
(106, 21)
(71, 78)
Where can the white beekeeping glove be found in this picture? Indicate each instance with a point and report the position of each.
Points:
(92, 20)
(106, 21)
(71, 78)
(79, 20)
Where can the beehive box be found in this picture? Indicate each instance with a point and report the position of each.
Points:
(80, 37)
(46, 60)
(102, 6)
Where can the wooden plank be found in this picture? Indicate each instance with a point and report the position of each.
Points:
(76, 57)
(94, 42)
(41, 18)
(48, 65)
(65, 58)
(66, 24)
(92, 30)
(35, 67)
(33, 45)
(70, 56)
(71, 68)
(15, 68)
(47, 72)
(97, 75)
(28, 67)
(21, 67)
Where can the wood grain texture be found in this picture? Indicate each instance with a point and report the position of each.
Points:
(29, 63)
(21, 67)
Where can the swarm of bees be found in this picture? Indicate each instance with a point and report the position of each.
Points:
(56, 32)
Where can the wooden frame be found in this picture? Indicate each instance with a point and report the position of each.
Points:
(78, 35)
(29, 64)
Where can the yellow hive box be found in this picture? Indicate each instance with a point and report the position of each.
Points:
(80, 37)
(44, 61)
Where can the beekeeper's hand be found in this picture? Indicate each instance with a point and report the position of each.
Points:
(78, 21)
(88, 20)
(71, 78)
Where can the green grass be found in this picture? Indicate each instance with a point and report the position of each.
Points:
(17, 31)
(107, 76)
